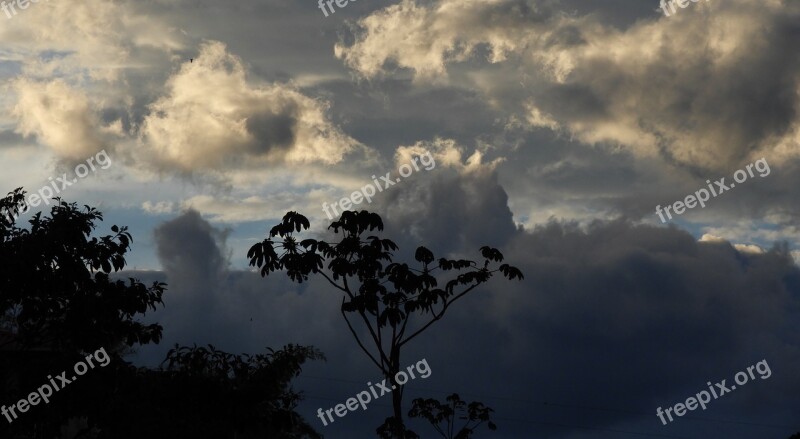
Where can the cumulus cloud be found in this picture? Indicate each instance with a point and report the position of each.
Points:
(710, 87)
(426, 38)
(431, 205)
(62, 118)
(92, 37)
(211, 116)
(189, 243)
(447, 153)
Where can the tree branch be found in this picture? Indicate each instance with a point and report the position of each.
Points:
(335, 284)
(369, 326)
(358, 340)
(403, 329)
(436, 317)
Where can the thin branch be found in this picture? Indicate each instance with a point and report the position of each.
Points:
(358, 340)
(403, 329)
(397, 348)
(380, 339)
(436, 317)
(474, 427)
(439, 429)
(334, 283)
(384, 358)
(369, 326)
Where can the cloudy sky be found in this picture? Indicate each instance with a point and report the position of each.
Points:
(556, 127)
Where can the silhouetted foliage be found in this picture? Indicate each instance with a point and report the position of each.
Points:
(207, 393)
(443, 416)
(55, 291)
(199, 393)
(383, 294)
(57, 304)
(393, 428)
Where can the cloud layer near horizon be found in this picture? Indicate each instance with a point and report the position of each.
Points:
(614, 315)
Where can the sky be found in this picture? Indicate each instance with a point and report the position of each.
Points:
(576, 136)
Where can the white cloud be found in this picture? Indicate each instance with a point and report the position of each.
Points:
(94, 37)
(62, 118)
(158, 208)
(211, 117)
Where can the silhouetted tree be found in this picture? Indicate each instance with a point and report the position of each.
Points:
(443, 416)
(57, 304)
(382, 294)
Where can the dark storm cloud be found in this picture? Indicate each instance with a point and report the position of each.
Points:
(188, 244)
(237, 311)
(614, 316)
(190, 252)
(624, 319)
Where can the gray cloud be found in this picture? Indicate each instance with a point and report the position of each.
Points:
(681, 87)
(616, 316)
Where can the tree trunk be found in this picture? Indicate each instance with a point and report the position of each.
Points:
(397, 393)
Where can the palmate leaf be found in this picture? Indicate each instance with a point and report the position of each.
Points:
(309, 244)
(491, 254)
(423, 255)
(291, 222)
(510, 272)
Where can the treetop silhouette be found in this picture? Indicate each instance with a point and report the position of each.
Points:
(382, 294)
